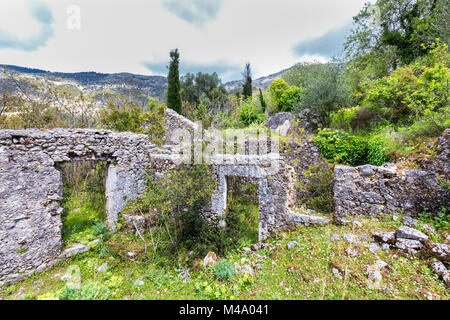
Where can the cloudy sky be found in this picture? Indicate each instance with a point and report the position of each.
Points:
(136, 35)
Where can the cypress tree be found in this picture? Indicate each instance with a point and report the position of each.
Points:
(174, 89)
(247, 89)
(263, 102)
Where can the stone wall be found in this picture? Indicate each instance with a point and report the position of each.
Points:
(370, 190)
(276, 187)
(31, 188)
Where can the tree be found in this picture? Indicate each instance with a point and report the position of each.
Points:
(174, 89)
(277, 88)
(325, 93)
(202, 88)
(393, 33)
(262, 101)
(247, 89)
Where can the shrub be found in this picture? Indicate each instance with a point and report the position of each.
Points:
(341, 147)
(225, 270)
(316, 193)
(250, 112)
(343, 118)
(277, 89)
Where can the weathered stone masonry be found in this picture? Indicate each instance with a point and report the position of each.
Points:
(31, 188)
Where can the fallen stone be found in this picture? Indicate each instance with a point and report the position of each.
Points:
(404, 244)
(336, 273)
(255, 247)
(428, 229)
(291, 245)
(341, 221)
(411, 234)
(210, 259)
(440, 250)
(374, 247)
(381, 264)
(352, 252)
(297, 219)
(103, 268)
(410, 222)
(351, 239)
(74, 250)
(335, 237)
(384, 237)
(357, 223)
(439, 268)
(139, 283)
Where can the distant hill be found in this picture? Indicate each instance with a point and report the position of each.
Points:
(260, 83)
(152, 85)
(155, 85)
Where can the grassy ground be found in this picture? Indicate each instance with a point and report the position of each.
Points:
(304, 272)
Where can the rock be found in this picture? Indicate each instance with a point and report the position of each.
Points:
(74, 250)
(381, 264)
(404, 244)
(352, 252)
(341, 221)
(351, 239)
(291, 245)
(279, 120)
(103, 268)
(336, 273)
(367, 170)
(297, 219)
(447, 238)
(411, 234)
(386, 246)
(255, 247)
(428, 229)
(246, 250)
(440, 250)
(210, 259)
(335, 237)
(384, 237)
(356, 223)
(374, 247)
(374, 274)
(439, 268)
(139, 283)
(410, 222)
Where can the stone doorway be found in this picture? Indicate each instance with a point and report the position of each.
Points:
(83, 200)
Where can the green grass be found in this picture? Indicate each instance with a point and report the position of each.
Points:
(304, 272)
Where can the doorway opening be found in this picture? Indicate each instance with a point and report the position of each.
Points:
(243, 207)
(84, 201)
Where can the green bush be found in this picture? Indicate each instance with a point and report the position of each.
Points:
(317, 191)
(250, 112)
(339, 146)
(225, 270)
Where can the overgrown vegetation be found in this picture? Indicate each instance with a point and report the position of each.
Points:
(84, 202)
(304, 272)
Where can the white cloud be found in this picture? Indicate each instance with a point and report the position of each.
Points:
(128, 35)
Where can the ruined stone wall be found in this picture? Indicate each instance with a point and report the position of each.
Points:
(370, 190)
(31, 188)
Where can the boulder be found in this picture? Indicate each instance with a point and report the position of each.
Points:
(405, 244)
(384, 237)
(297, 219)
(210, 259)
(440, 251)
(411, 234)
(292, 244)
